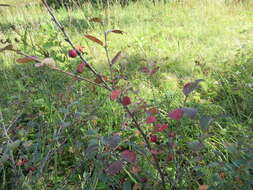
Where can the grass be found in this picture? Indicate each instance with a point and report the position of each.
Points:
(188, 40)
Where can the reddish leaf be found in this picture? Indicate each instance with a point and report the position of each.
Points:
(153, 111)
(115, 94)
(151, 119)
(170, 157)
(160, 127)
(172, 134)
(176, 114)
(154, 151)
(26, 59)
(129, 156)
(94, 39)
(144, 70)
(189, 87)
(114, 168)
(32, 169)
(135, 169)
(80, 67)
(203, 187)
(126, 101)
(117, 31)
(96, 19)
(153, 138)
(21, 162)
(116, 57)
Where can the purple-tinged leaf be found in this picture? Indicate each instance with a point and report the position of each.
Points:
(129, 156)
(114, 167)
(205, 122)
(112, 141)
(116, 57)
(190, 112)
(191, 86)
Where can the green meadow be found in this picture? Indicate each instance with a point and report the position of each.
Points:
(50, 118)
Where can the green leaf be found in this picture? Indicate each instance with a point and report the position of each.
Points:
(127, 185)
(14, 145)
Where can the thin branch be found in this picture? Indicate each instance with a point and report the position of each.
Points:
(148, 145)
(58, 69)
(67, 38)
(108, 57)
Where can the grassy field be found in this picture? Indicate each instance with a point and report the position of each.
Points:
(53, 119)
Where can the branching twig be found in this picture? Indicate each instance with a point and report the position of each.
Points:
(148, 145)
(67, 38)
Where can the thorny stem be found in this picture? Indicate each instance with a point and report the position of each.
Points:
(148, 145)
(67, 38)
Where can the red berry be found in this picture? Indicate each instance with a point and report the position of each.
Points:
(153, 138)
(73, 53)
(126, 101)
(80, 67)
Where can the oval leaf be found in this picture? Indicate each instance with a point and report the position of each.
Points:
(117, 31)
(190, 112)
(115, 94)
(96, 19)
(116, 57)
(94, 39)
(129, 156)
(176, 114)
(191, 86)
(151, 119)
(114, 168)
(26, 59)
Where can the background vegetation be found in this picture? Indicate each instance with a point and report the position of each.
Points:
(52, 119)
